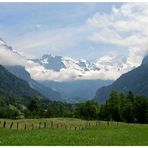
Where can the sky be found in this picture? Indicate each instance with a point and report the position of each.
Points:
(92, 31)
(53, 28)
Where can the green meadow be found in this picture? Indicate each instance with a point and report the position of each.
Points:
(69, 132)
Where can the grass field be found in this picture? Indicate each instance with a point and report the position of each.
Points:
(100, 134)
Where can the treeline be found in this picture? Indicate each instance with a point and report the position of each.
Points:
(127, 108)
(119, 107)
(16, 107)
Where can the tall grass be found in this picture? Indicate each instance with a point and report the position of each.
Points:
(101, 134)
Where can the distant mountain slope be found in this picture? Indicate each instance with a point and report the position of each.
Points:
(12, 85)
(135, 81)
(20, 72)
(77, 90)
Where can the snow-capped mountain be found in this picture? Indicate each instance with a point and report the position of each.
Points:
(84, 69)
(50, 62)
(57, 63)
(58, 68)
(73, 78)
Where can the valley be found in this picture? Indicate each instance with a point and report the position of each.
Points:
(73, 74)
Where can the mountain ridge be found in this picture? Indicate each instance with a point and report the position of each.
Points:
(78, 90)
(13, 85)
(135, 80)
(21, 73)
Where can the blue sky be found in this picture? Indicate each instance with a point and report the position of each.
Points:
(92, 31)
(55, 28)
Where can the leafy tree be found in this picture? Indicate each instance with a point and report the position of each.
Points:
(113, 106)
(128, 110)
(35, 108)
(130, 97)
(59, 109)
(122, 106)
(34, 105)
(88, 110)
(141, 109)
(104, 113)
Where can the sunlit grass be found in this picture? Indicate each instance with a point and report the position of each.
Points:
(102, 134)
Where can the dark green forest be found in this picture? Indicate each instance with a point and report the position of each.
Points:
(119, 107)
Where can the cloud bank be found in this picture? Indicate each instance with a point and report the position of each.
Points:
(10, 57)
(123, 27)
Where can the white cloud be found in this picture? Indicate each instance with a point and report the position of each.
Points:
(7, 57)
(71, 74)
(10, 57)
(50, 40)
(126, 26)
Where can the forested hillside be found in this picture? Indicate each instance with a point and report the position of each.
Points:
(13, 85)
(135, 81)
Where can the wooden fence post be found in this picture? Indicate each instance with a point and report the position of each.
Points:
(4, 124)
(32, 126)
(57, 125)
(39, 124)
(108, 123)
(79, 127)
(75, 128)
(11, 125)
(82, 128)
(45, 124)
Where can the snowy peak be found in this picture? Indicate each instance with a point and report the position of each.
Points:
(81, 68)
(56, 63)
(111, 62)
(80, 64)
(51, 62)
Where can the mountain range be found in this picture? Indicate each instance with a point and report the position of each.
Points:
(83, 69)
(74, 80)
(135, 80)
(39, 73)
